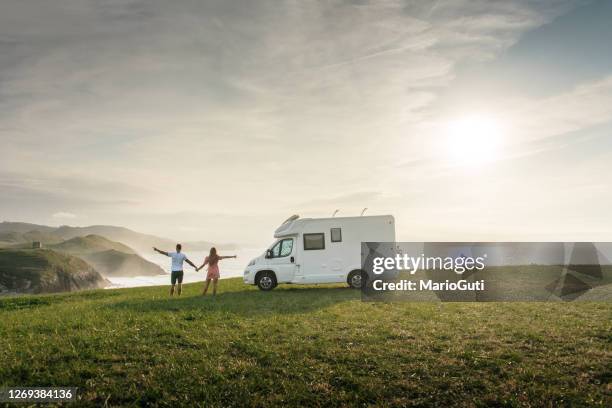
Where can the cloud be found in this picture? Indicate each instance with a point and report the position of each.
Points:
(127, 70)
(184, 228)
(346, 203)
(96, 191)
(587, 105)
(131, 109)
(64, 215)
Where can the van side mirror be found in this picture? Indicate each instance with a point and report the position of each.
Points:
(269, 253)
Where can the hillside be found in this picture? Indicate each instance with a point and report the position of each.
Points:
(25, 239)
(90, 244)
(45, 271)
(12, 233)
(10, 238)
(304, 346)
(116, 263)
(23, 227)
(136, 240)
(108, 257)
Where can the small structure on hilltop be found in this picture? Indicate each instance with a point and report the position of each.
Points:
(36, 245)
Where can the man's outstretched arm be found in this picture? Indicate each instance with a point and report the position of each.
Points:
(191, 263)
(161, 252)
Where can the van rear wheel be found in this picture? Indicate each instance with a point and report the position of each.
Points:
(356, 279)
(266, 281)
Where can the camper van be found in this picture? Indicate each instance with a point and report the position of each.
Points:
(318, 250)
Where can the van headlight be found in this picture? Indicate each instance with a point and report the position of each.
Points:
(252, 262)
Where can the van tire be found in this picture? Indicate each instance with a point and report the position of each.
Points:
(266, 280)
(356, 279)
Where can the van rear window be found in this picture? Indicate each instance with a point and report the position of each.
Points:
(314, 241)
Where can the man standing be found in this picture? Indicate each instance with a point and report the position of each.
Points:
(177, 267)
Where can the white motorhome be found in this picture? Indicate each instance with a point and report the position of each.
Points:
(318, 250)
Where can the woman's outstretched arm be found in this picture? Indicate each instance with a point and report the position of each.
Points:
(226, 257)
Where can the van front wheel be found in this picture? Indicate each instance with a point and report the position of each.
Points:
(266, 281)
(356, 279)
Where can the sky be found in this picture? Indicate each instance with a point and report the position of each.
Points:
(216, 120)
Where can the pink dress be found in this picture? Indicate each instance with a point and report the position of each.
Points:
(213, 270)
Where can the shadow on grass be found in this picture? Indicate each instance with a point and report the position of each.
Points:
(285, 300)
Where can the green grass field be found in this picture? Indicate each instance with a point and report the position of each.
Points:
(307, 346)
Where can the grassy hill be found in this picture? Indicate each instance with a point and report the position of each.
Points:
(23, 234)
(25, 239)
(136, 240)
(45, 271)
(22, 227)
(305, 346)
(90, 244)
(108, 257)
(12, 233)
(51, 235)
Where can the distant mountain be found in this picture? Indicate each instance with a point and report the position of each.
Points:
(116, 263)
(110, 258)
(23, 227)
(45, 271)
(138, 241)
(90, 244)
(12, 238)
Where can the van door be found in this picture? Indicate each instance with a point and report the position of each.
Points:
(282, 259)
(316, 264)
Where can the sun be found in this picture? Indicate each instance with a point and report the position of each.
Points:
(474, 139)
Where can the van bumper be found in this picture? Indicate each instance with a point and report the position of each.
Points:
(249, 277)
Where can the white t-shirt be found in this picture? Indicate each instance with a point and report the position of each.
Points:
(177, 260)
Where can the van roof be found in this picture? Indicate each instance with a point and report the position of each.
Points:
(293, 224)
(343, 218)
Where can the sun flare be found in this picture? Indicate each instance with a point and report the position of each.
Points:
(474, 139)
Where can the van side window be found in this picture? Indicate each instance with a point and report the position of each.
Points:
(282, 248)
(286, 247)
(314, 241)
(336, 235)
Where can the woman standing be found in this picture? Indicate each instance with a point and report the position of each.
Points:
(213, 269)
